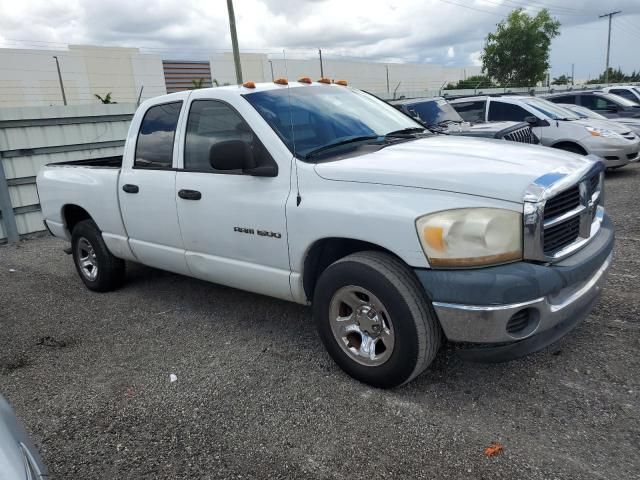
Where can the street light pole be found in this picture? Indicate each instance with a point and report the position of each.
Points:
(321, 66)
(234, 41)
(611, 14)
(64, 97)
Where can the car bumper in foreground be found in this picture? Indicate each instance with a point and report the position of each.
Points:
(519, 308)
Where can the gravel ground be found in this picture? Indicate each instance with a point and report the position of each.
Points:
(256, 395)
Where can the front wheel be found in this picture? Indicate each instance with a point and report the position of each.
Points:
(375, 320)
(98, 268)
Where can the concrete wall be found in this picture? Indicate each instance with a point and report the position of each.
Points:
(30, 78)
(31, 137)
(410, 79)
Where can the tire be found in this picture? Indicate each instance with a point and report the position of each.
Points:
(390, 308)
(97, 267)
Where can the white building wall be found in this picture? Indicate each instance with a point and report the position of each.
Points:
(30, 78)
(410, 79)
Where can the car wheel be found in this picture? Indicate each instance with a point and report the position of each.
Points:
(98, 268)
(375, 320)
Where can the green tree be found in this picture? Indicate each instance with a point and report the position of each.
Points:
(474, 81)
(517, 54)
(106, 99)
(196, 84)
(616, 76)
(562, 80)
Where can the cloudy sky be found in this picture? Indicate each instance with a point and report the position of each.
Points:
(440, 31)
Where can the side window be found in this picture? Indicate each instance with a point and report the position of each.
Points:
(471, 111)
(154, 147)
(563, 99)
(211, 122)
(595, 102)
(499, 111)
(624, 94)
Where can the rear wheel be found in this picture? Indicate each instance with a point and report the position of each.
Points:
(375, 320)
(97, 267)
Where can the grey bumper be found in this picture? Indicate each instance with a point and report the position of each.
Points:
(476, 306)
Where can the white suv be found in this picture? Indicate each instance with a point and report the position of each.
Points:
(628, 92)
(556, 126)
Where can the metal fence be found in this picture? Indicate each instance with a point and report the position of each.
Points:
(31, 137)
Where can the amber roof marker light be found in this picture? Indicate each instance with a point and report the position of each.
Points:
(249, 85)
(343, 83)
(304, 80)
(281, 81)
(325, 81)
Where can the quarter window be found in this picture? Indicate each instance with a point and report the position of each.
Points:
(154, 147)
(211, 122)
(471, 111)
(596, 103)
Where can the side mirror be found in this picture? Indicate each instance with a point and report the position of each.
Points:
(231, 155)
(531, 120)
(236, 155)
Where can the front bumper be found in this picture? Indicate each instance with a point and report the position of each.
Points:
(618, 155)
(476, 306)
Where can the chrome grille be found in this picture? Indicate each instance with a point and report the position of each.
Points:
(560, 216)
(521, 135)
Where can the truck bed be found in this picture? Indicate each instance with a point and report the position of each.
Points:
(102, 162)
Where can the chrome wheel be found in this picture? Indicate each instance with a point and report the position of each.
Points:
(361, 325)
(87, 260)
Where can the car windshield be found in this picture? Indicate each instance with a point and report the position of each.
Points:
(328, 115)
(551, 110)
(617, 99)
(584, 112)
(434, 112)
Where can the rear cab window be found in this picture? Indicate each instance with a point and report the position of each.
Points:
(154, 145)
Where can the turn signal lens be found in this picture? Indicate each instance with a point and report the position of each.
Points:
(471, 237)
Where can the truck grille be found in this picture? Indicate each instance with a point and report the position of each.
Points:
(521, 135)
(559, 234)
(562, 203)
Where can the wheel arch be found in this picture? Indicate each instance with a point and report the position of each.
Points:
(325, 251)
(570, 144)
(72, 214)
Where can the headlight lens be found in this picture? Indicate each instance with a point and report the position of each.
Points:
(471, 237)
(602, 132)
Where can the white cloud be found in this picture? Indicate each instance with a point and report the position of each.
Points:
(410, 31)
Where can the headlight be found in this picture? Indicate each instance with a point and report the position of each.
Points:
(602, 132)
(471, 237)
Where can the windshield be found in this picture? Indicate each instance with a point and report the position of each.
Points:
(584, 112)
(619, 100)
(433, 112)
(326, 115)
(551, 110)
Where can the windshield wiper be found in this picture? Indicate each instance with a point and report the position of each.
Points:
(402, 133)
(339, 143)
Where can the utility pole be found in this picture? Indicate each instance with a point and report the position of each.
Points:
(234, 41)
(611, 14)
(321, 67)
(387, 68)
(64, 97)
(573, 80)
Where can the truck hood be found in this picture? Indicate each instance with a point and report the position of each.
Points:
(474, 166)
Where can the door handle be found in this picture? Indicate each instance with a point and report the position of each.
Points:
(127, 187)
(190, 194)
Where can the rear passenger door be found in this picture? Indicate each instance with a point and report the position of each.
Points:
(234, 225)
(147, 190)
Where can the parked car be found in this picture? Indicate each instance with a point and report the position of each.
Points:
(629, 92)
(437, 115)
(325, 195)
(19, 459)
(556, 126)
(607, 104)
(583, 112)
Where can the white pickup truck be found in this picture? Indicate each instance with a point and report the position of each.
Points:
(324, 195)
